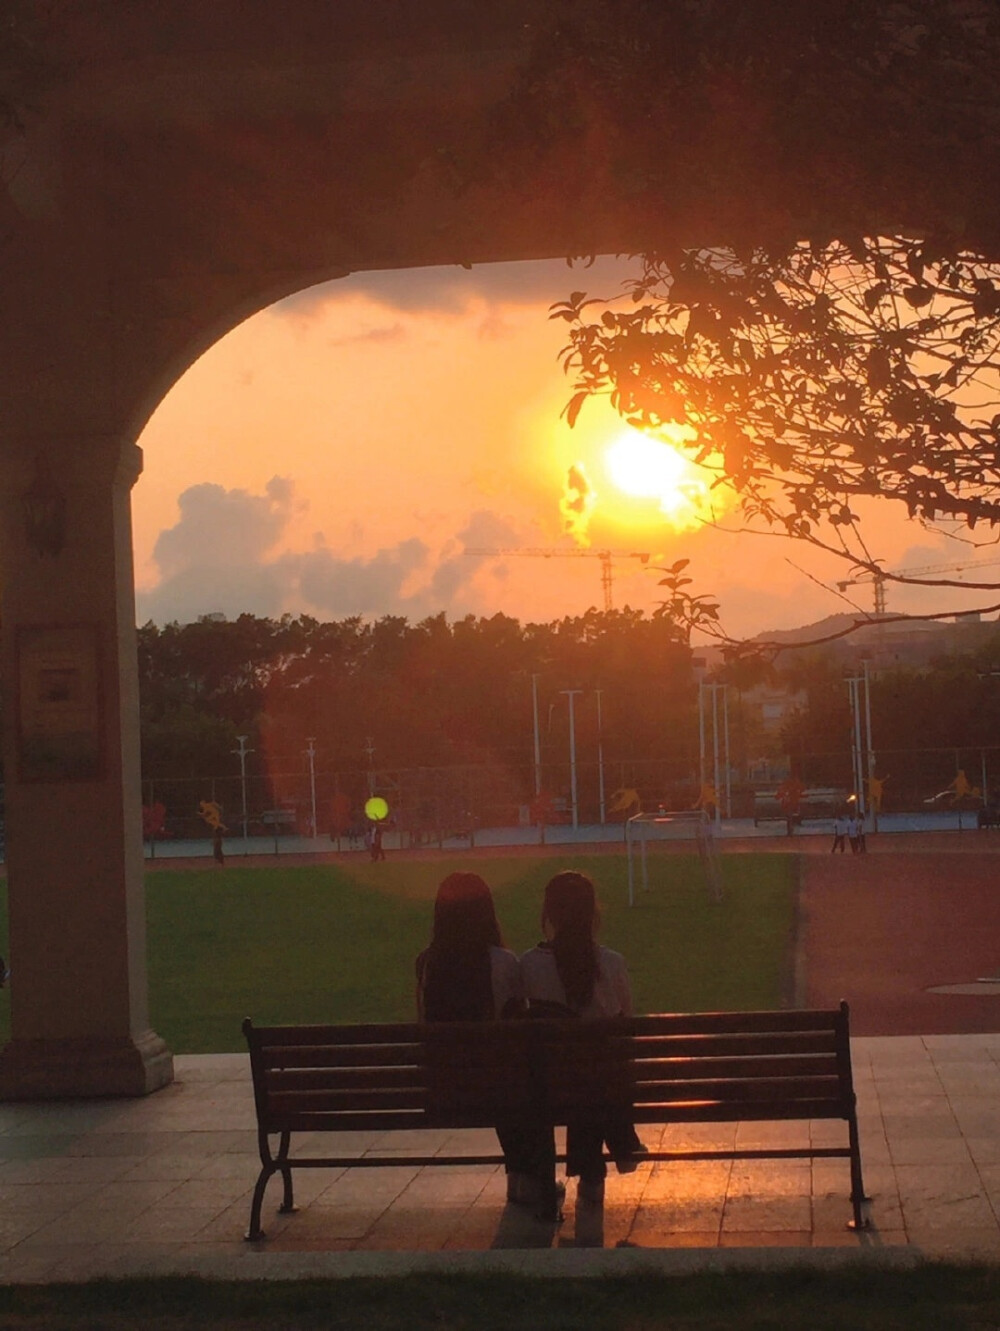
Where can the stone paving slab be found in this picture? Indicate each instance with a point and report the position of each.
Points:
(162, 1185)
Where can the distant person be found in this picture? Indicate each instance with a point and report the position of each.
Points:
(860, 834)
(855, 833)
(466, 974)
(841, 827)
(571, 974)
(375, 846)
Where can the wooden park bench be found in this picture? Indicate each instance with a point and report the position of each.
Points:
(671, 1068)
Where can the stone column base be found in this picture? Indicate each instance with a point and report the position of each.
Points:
(75, 1069)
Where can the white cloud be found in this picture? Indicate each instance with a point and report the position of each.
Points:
(220, 557)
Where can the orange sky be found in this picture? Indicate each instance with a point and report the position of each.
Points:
(336, 453)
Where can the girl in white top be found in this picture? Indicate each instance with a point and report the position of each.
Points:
(571, 972)
(611, 995)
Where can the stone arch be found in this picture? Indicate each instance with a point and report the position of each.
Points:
(213, 324)
(182, 166)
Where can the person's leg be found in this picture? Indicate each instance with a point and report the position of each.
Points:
(530, 1161)
(585, 1158)
(624, 1144)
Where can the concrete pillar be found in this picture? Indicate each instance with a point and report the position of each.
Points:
(79, 1010)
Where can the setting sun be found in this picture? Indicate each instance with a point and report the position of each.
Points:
(647, 468)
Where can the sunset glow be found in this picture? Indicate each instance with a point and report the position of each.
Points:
(325, 458)
(647, 468)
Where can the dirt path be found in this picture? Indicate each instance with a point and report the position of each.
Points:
(881, 929)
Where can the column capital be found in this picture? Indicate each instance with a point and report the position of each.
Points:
(74, 461)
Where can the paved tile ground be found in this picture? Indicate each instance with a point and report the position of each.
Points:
(163, 1185)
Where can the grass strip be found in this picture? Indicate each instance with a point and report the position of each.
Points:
(930, 1296)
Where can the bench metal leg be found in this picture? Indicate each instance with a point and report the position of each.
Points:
(269, 1165)
(255, 1232)
(287, 1200)
(858, 1197)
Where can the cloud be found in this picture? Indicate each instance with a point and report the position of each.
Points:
(338, 587)
(384, 336)
(577, 502)
(451, 290)
(222, 556)
(220, 527)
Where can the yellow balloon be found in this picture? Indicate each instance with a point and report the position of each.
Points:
(376, 809)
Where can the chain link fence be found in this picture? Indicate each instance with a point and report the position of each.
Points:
(428, 805)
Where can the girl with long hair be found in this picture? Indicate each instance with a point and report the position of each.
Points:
(570, 974)
(466, 974)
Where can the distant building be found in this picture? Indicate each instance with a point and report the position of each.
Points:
(768, 708)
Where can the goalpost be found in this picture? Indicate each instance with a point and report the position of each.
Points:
(681, 825)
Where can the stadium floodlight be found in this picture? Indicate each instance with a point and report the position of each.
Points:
(672, 825)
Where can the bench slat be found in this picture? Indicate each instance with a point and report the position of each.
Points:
(789, 1065)
(566, 1064)
(380, 1033)
(390, 1097)
(318, 1079)
(698, 1023)
(377, 1120)
(764, 1088)
(725, 1112)
(345, 1056)
(735, 1045)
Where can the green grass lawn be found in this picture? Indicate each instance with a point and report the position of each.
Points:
(331, 943)
(337, 943)
(933, 1297)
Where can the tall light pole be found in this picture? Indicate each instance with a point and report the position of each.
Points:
(725, 741)
(600, 757)
(571, 694)
(311, 755)
(538, 740)
(854, 683)
(370, 750)
(720, 733)
(715, 751)
(868, 741)
(241, 753)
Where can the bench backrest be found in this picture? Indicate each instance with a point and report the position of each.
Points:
(664, 1068)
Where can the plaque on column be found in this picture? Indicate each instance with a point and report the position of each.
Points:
(59, 703)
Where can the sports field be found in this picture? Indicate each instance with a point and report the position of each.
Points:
(337, 943)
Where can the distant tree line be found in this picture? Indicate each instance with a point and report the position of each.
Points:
(430, 694)
(437, 694)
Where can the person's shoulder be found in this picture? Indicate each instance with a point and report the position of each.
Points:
(535, 954)
(503, 956)
(609, 957)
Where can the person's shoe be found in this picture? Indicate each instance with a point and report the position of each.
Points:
(550, 1199)
(550, 1212)
(522, 1189)
(590, 1191)
(628, 1164)
(526, 1190)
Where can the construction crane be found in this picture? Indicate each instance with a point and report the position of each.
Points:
(879, 578)
(558, 552)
